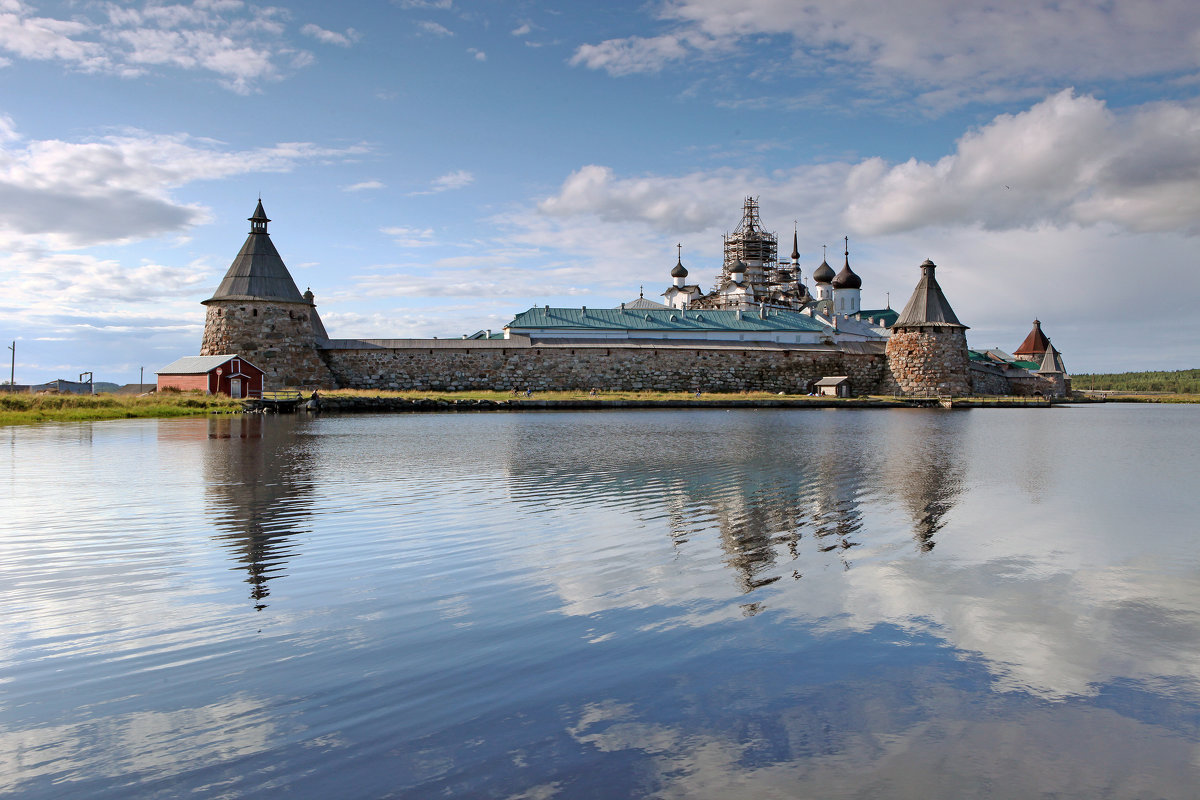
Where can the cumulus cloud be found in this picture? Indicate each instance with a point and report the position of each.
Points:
(1067, 160)
(478, 54)
(242, 45)
(363, 186)
(331, 37)
(630, 55)
(948, 54)
(451, 180)
(410, 237)
(434, 28)
(60, 194)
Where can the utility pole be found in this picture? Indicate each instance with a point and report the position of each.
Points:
(141, 377)
(12, 375)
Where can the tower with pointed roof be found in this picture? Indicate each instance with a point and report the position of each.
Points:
(257, 312)
(1053, 373)
(927, 351)
(847, 288)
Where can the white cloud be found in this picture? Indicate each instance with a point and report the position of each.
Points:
(363, 186)
(441, 5)
(1067, 160)
(479, 54)
(948, 53)
(331, 37)
(434, 28)
(410, 237)
(242, 45)
(451, 180)
(114, 189)
(524, 29)
(631, 55)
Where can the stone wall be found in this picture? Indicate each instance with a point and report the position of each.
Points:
(277, 337)
(988, 379)
(929, 360)
(610, 368)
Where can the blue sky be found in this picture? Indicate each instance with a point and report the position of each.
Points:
(433, 167)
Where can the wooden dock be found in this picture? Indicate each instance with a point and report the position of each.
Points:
(283, 401)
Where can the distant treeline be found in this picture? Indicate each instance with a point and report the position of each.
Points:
(1184, 381)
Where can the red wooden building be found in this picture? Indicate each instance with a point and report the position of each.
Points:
(228, 374)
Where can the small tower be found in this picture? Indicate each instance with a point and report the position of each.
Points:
(927, 351)
(258, 312)
(823, 281)
(679, 273)
(1054, 372)
(1033, 348)
(847, 289)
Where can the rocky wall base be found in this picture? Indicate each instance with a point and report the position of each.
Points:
(612, 369)
(929, 361)
(276, 337)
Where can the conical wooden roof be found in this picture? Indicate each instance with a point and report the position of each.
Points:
(1052, 360)
(258, 271)
(1035, 343)
(928, 306)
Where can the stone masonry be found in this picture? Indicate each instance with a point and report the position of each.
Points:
(929, 360)
(276, 337)
(617, 368)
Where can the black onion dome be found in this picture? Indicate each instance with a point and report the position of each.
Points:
(679, 271)
(823, 273)
(738, 266)
(847, 279)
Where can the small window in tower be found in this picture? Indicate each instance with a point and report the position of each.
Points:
(256, 312)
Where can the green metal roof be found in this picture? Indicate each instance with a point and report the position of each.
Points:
(1026, 364)
(886, 316)
(667, 319)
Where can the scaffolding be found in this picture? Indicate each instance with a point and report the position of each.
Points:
(751, 244)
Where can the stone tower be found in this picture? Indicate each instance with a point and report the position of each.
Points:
(258, 313)
(927, 351)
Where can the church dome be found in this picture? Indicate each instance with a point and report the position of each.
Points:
(847, 279)
(679, 271)
(738, 266)
(823, 273)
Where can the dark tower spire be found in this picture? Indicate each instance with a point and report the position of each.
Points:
(258, 272)
(258, 222)
(847, 279)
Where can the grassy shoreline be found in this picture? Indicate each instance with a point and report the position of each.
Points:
(18, 409)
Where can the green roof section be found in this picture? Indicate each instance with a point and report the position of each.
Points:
(885, 316)
(666, 320)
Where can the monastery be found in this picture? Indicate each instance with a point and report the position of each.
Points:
(761, 327)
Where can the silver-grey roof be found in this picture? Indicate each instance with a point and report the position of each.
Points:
(258, 272)
(832, 380)
(194, 365)
(928, 306)
(1052, 361)
(641, 303)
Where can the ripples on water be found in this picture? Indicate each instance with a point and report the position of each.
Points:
(825, 603)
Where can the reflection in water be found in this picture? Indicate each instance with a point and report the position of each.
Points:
(259, 482)
(769, 492)
(924, 470)
(684, 604)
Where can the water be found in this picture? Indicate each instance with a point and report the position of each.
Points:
(700, 604)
